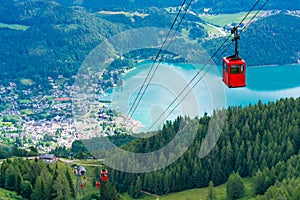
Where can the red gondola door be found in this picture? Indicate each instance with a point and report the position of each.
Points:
(225, 72)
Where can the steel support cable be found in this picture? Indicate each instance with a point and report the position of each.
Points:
(243, 29)
(249, 12)
(150, 70)
(190, 82)
(161, 58)
(187, 85)
(253, 17)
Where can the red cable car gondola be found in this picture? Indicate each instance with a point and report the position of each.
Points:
(98, 184)
(234, 67)
(81, 186)
(104, 175)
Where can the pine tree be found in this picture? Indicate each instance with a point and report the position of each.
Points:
(47, 180)
(10, 178)
(259, 182)
(71, 184)
(10, 181)
(80, 155)
(211, 194)
(108, 192)
(26, 189)
(33, 172)
(296, 194)
(131, 190)
(18, 183)
(39, 189)
(252, 140)
(137, 188)
(2, 173)
(61, 189)
(235, 188)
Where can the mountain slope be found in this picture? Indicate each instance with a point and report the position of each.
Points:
(253, 138)
(56, 41)
(273, 40)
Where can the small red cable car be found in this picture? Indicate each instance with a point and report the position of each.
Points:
(234, 72)
(104, 175)
(234, 67)
(81, 186)
(98, 184)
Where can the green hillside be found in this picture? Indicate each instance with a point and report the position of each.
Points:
(254, 138)
(36, 180)
(272, 40)
(50, 40)
(286, 186)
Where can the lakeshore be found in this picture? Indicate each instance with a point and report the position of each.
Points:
(265, 83)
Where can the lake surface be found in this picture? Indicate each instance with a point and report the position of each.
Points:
(265, 83)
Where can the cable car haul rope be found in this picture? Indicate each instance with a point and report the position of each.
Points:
(233, 73)
(237, 76)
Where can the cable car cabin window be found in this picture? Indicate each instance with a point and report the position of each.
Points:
(224, 66)
(237, 69)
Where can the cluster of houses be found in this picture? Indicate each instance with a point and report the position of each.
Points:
(31, 125)
(44, 120)
(63, 133)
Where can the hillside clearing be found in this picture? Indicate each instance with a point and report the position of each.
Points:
(14, 26)
(200, 193)
(224, 19)
(127, 14)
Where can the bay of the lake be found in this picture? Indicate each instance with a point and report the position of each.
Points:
(207, 91)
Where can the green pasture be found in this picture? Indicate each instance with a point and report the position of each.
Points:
(14, 26)
(224, 19)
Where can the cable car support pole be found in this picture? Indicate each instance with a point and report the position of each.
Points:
(236, 37)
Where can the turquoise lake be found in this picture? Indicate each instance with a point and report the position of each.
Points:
(265, 83)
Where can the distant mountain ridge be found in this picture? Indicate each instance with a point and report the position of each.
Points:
(224, 6)
(12, 11)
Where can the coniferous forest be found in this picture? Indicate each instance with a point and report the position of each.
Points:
(34, 179)
(259, 141)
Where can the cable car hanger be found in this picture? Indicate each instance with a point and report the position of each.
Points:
(235, 39)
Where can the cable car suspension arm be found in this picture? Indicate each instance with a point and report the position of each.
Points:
(236, 37)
